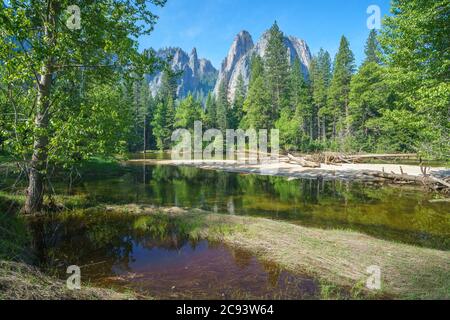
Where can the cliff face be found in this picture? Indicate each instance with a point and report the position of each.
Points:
(239, 58)
(198, 75)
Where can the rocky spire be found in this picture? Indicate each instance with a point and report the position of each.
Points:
(242, 44)
(193, 62)
(197, 75)
(239, 58)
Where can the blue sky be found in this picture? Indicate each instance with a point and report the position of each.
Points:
(211, 25)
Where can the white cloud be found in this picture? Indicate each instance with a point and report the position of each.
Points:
(191, 32)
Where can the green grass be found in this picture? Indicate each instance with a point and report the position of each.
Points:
(13, 202)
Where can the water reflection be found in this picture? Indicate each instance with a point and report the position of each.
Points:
(401, 214)
(154, 255)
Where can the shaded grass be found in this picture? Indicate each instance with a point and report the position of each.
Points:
(13, 202)
(100, 166)
(14, 237)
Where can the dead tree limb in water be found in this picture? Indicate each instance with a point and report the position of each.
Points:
(443, 182)
(429, 181)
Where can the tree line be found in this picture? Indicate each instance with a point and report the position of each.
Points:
(396, 101)
(68, 95)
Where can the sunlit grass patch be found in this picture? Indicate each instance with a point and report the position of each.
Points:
(19, 281)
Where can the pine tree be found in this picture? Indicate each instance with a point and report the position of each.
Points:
(237, 112)
(338, 98)
(145, 113)
(188, 111)
(149, 137)
(169, 84)
(276, 62)
(301, 101)
(210, 111)
(163, 121)
(164, 113)
(222, 107)
(256, 68)
(369, 94)
(320, 77)
(372, 48)
(294, 120)
(257, 105)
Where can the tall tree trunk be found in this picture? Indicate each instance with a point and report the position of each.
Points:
(334, 127)
(35, 193)
(347, 119)
(38, 163)
(319, 136)
(145, 134)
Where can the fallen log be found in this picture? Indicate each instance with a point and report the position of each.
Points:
(303, 162)
(382, 156)
(400, 177)
(362, 157)
(335, 157)
(429, 181)
(443, 182)
(439, 200)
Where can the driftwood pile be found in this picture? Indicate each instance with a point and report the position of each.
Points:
(334, 158)
(339, 158)
(303, 162)
(426, 179)
(331, 158)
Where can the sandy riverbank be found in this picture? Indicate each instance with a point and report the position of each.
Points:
(292, 170)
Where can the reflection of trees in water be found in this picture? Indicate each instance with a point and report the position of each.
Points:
(173, 242)
(100, 242)
(385, 212)
(80, 241)
(185, 186)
